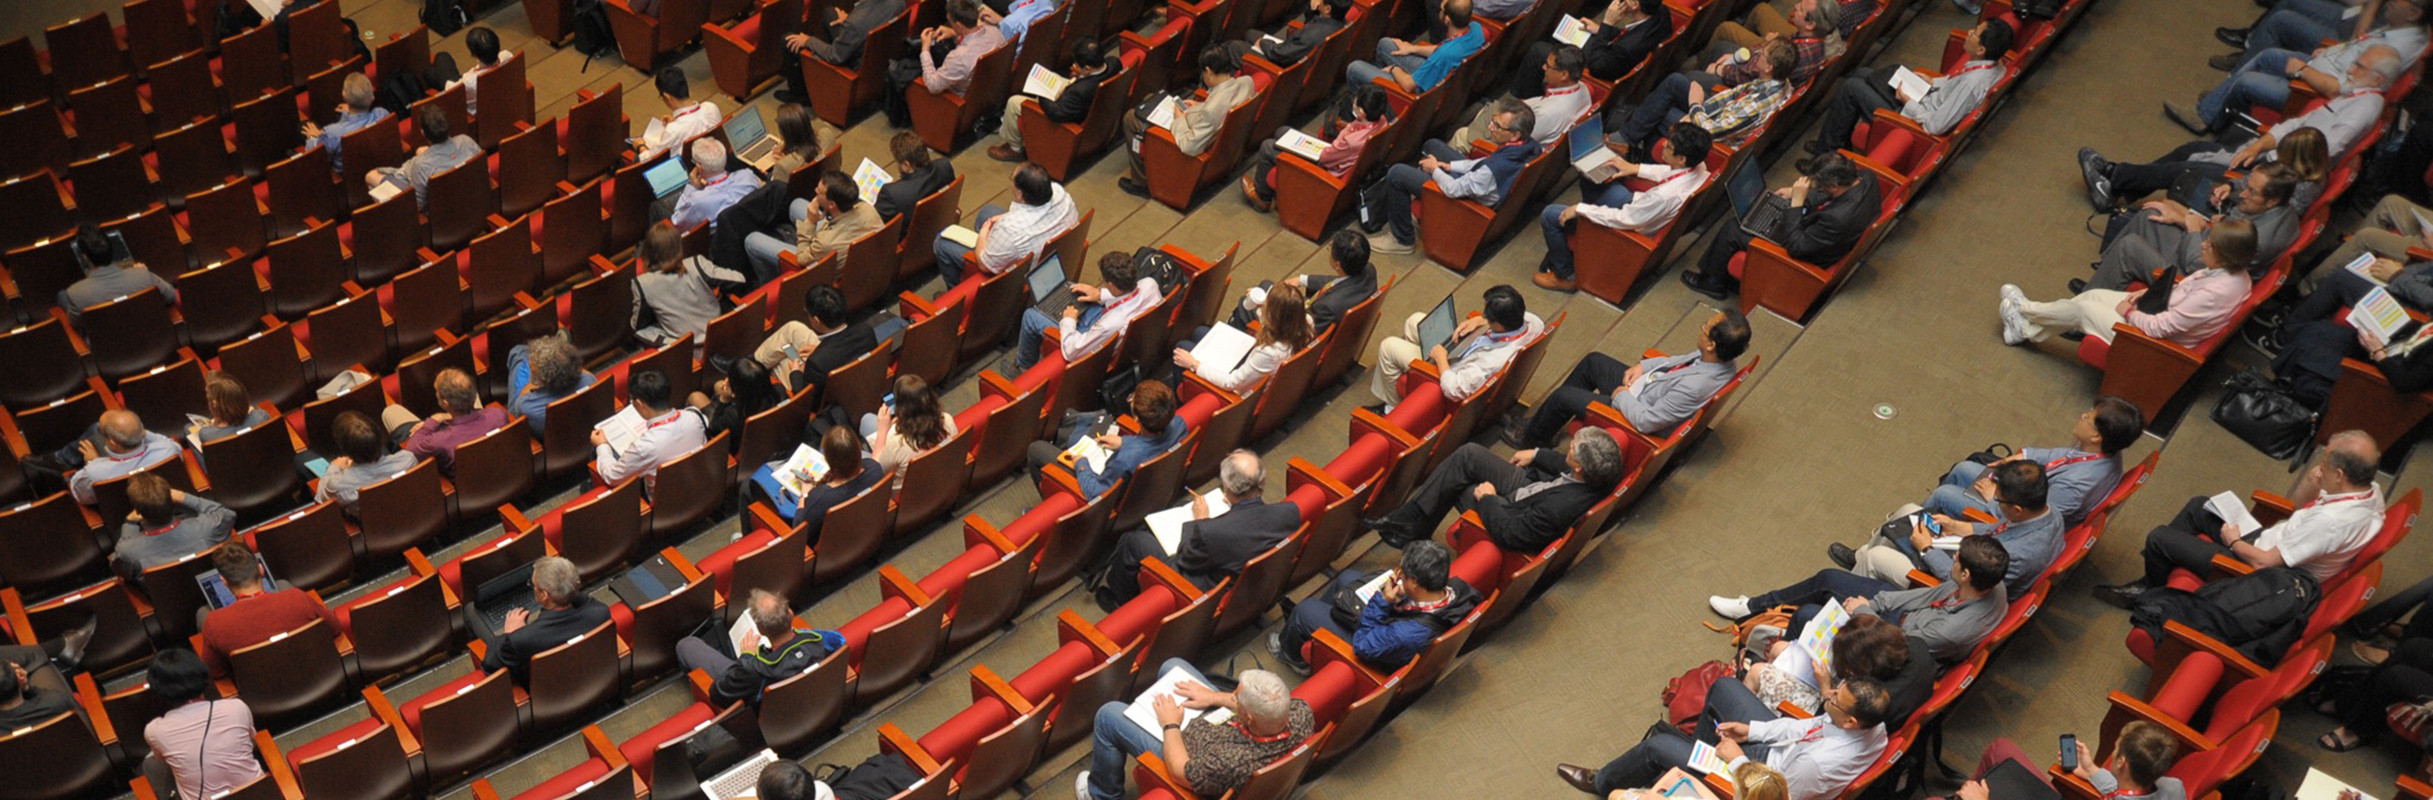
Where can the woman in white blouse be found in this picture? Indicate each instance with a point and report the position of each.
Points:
(1284, 328)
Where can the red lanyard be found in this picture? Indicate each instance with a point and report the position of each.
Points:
(2058, 463)
(2325, 500)
(1563, 92)
(1670, 178)
(2118, 794)
(1245, 729)
(671, 417)
(160, 530)
(1971, 68)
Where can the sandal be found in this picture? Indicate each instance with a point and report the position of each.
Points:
(2332, 741)
(2369, 653)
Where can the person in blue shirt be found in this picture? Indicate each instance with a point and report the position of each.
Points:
(355, 112)
(712, 188)
(1018, 17)
(1386, 216)
(1153, 407)
(1419, 67)
(1418, 601)
(543, 371)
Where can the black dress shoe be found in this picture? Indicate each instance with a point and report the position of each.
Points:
(2078, 285)
(1711, 289)
(2121, 595)
(2235, 37)
(1581, 778)
(1374, 408)
(1388, 531)
(1817, 147)
(2186, 119)
(1516, 436)
(2073, 335)
(1132, 188)
(1842, 555)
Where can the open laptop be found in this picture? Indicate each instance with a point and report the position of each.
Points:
(1770, 218)
(215, 588)
(1437, 327)
(750, 136)
(1050, 292)
(509, 591)
(741, 780)
(1588, 150)
(666, 177)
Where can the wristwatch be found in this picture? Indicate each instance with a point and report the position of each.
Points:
(1173, 727)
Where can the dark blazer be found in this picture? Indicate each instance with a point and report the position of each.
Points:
(1216, 548)
(1336, 297)
(1612, 52)
(846, 39)
(835, 350)
(1528, 527)
(1298, 44)
(899, 195)
(513, 651)
(1072, 104)
(1828, 231)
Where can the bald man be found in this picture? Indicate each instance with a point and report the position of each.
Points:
(2339, 509)
(116, 446)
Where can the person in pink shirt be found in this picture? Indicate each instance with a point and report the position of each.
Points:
(462, 418)
(2199, 306)
(1359, 115)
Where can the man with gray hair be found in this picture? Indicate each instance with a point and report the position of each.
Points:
(1527, 501)
(1206, 756)
(711, 187)
(356, 111)
(773, 650)
(1227, 528)
(115, 447)
(2338, 510)
(565, 613)
(446, 151)
(2343, 121)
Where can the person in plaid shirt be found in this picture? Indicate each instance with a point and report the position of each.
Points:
(1729, 113)
(1815, 38)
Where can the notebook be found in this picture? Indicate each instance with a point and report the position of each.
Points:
(1224, 347)
(801, 471)
(1163, 115)
(1910, 83)
(1044, 83)
(750, 136)
(961, 235)
(1167, 525)
(1572, 31)
(382, 191)
(1589, 154)
(1301, 144)
(1141, 713)
(2363, 267)
(1438, 326)
(2233, 511)
(215, 588)
(666, 177)
(2380, 314)
(647, 581)
(622, 429)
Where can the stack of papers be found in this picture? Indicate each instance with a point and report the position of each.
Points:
(2364, 267)
(1815, 644)
(1224, 347)
(384, 190)
(1045, 84)
(2379, 314)
(1301, 144)
(1088, 452)
(961, 235)
(622, 429)
(1910, 83)
(1572, 31)
(2319, 786)
(1377, 584)
(1163, 116)
(1167, 525)
(1141, 713)
(870, 177)
(803, 470)
(1706, 761)
(2233, 512)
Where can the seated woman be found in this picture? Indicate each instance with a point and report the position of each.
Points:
(747, 389)
(1153, 407)
(1284, 329)
(908, 424)
(363, 459)
(1867, 647)
(227, 408)
(670, 294)
(850, 471)
(2199, 306)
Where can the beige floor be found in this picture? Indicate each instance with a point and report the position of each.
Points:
(1800, 461)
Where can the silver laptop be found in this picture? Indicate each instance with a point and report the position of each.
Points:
(1050, 292)
(215, 588)
(749, 134)
(1588, 150)
(666, 177)
(741, 780)
(1437, 327)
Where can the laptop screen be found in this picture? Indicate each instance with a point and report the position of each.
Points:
(215, 588)
(1587, 137)
(666, 176)
(745, 128)
(1047, 278)
(1437, 327)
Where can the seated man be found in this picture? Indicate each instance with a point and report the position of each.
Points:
(709, 189)
(1655, 395)
(357, 111)
(363, 459)
(1729, 112)
(1385, 210)
(1947, 619)
(834, 218)
(2343, 121)
(1620, 38)
(919, 174)
(1093, 317)
(1818, 756)
(1196, 123)
(1816, 30)
(1418, 602)
(1679, 169)
(2198, 306)
(1557, 107)
(1152, 408)
(2338, 511)
(2167, 234)
(1359, 115)
(669, 430)
(566, 612)
(685, 121)
(462, 418)
(1212, 546)
(1089, 69)
(116, 446)
(2076, 477)
(256, 615)
(775, 650)
(1288, 46)
(446, 151)
(820, 347)
(2262, 78)
(543, 371)
(848, 31)
(2027, 528)
(1209, 758)
(2300, 27)
(1041, 211)
(1525, 503)
(1330, 296)
(948, 56)
(1947, 100)
(167, 525)
(24, 705)
(201, 744)
(1832, 205)
(1416, 67)
(107, 277)
(1481, 346)
(482, 44)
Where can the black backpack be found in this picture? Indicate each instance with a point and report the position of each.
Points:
(1155, 264)
(443, 17)
(881, 776)
(2260, 614)
(592, 36)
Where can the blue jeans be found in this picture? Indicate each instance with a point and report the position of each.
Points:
(1362, 73)
(1956, 495)
(764, 249)
(2294, 25)
(1114, 740)
(1550, 221)
(2263, 79)
(950, 253)
(1034, 330)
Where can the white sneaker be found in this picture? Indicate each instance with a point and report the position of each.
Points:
(1729, 607)
(1081, 786)
(2014, 323)
(1384, 242)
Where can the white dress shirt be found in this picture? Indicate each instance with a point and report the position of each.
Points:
(1119, 314)
(1485, 354)
(1261, 361)
(2343, 121)
(1023, 230)
(1817, 759)
(1556, 111)
(1649, 211)
(2325, 536)
(663, 439)
(691, 123)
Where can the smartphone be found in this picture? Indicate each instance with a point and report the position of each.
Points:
(790, 353)
(2069, 752)
(888, 401)
(1932, 526)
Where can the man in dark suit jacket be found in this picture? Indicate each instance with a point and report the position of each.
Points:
(1832, 206)
(1211, 548)
(1090, 68)
(1324, 19)
(1526, 502)
(1330, 296)
(1619, 37)
(566, 612)
(919, 173)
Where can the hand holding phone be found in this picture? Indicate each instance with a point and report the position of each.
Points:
(2069, 752)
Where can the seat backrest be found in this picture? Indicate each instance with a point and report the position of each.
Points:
(347, 334)
(947, 465)
(566, 435)
(291, 674)
(497, 557)
(1004, 756)
(1154, 486)
(387, 235)
(308, 547)
(221, 303)
(529, 167)
(193, 157)
(571, 231)
(735, 333)
(1277, 780)
(402, 512)
(1285, 393)
(45, 361)
(130, 334)
(995, 308)
(854, 531)
(494, 468)
(991, 596)
(600, 310)
(571, 679)
(1261, 581)
(772, 434)
(162, 396)
(60, 759)
(505, 97)
(796, 712)
(307, 271)
(498, 264)
(932, 346)
(1109, 680)
(900, 651)
(473, 726)
(40, 549)
(775, 567)
(687, 489)
(595, 134)
(2204, 770)
(370, 764)
(930, 216)
(270, 364)
(660, 623)
(110, 496)
(61, 422)
(227, 221)
(41, 138)
(1074, 540)
(400, 627)
(110, 115)
(859, 385)
(868, 267)
(1005, 435)
(1348, 337)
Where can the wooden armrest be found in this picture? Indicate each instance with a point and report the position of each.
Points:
(1157, 570)
(700, 683)
(986, 683)
(684, 566)
(914, 308)
(2070, 785)
(600, 265)
(1059, 478)
(387, 712)
(2270, 508)
(1365, 421)
(1153, 766)
(766, 516)
(18, 623)
(1425, 370)
(280, 773)
(893, 584)
(1978, 516)
(1792, 711)
(978, 531)
(2227, 565)
(515, 522)
(1886, 116)
(2127, 709)
(140, 788)
(1194, 386)
(998, 386)
(1300, 471)
(1070, 627)
(2177, 635)
(894, 740)
(88, 695)
(597, 742)
(1920, 578)
(1332, 643)
(2414, 788)
(479, 649)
